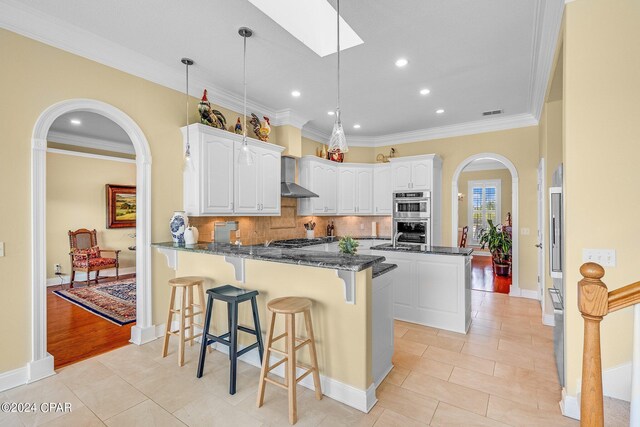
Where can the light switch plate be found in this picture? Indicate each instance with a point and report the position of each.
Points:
(525, 231)
(1, 249)
(604, 257)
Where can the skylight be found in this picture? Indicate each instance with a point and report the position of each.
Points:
(313, 22)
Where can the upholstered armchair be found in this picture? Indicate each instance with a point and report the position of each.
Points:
(87, 256)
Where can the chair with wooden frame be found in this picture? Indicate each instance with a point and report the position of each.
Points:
(463, 237)
(81, 242)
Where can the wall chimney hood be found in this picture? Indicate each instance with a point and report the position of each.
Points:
(288, 186)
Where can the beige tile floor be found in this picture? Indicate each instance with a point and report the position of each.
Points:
(500, 374)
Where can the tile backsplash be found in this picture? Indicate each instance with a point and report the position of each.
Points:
(258, 229)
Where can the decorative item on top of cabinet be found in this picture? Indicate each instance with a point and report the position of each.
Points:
(381, 158)
(238, 128)
(177, 225)
(261, 129)
(209, 116)
(336, 156)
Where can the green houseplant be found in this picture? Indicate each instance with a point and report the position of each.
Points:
(348, 245)
(498, 241)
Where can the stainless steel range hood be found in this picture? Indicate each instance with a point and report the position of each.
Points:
(288, 186)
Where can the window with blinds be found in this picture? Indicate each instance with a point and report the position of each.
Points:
(484, 205)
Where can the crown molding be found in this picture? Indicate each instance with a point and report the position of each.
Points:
(546, 31)
(478, 166)
(88, 142)
(481, 126)
(289, 117)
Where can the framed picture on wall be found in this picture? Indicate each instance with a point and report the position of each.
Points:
(121, 206)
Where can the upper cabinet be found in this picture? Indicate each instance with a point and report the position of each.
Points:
(321, 177)
(382, 194)
(218, 185)
(415, 172)
(355, 184)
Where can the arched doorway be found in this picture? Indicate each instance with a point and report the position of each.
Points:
(41, 364)
(515, 289)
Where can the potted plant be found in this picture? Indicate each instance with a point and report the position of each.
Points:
(499, 243)
(348, 245)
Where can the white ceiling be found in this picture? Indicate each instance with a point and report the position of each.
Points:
(473, 56)
(95, 131)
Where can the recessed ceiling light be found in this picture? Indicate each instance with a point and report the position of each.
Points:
(76, 122)
(425, 91)
(295, 93)
(440, 111)
(331, 113)
(356, 126)
(401, 62)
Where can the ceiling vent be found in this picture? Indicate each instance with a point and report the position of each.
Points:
(492, 112)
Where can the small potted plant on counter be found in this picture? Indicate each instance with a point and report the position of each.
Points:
(348, 246)
(499, 243)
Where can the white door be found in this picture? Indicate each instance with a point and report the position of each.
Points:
(330, 189)
(421, 172)
(364, 186)
(347, 191)
(217, 177)
(401, 174)
(247, 183)
(540, 243)
(269, 182)
(484, 205)
(382, 197)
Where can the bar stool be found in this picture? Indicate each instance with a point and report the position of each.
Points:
(186, 312)
(290, 306)
(233, 297)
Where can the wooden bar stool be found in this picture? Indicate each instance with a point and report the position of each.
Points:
(186, 313)
(233, 297)
(290, 306)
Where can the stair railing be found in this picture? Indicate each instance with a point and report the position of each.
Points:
(594, 302)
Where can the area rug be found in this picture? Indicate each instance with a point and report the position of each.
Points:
(113, 301)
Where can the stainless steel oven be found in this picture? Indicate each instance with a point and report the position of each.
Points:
(412, 231)
(412, 205)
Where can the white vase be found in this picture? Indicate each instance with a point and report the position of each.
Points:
(191, 235)
(311, 234)
(178, 224)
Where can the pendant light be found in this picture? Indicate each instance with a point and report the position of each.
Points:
(245, 156)
(188, 163)
(338, 141)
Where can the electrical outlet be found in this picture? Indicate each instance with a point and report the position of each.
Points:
(525, 231)
(57, 268)
(361, 226)
(1, 249)
(604, 257)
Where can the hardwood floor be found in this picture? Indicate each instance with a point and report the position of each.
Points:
(483, 279)
(74, 334)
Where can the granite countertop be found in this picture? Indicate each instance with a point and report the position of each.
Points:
(382, 268)
(423, 249)
(302, 242)
(319, 259)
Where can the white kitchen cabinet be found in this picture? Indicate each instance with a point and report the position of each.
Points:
(321, 177)
(415, 172)
(382, 345)
(382, 194)
(355, 189)
(217, 185)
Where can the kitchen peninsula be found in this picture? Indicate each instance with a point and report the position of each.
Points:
(342, 288)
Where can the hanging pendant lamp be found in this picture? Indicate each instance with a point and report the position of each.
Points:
(188, 163)
(338, 141)
(245, 156)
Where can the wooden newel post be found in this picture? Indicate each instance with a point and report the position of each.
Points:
(593, 303)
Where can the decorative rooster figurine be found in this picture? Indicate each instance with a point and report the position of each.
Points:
(238, 128)
(261, 129)
(209, 116)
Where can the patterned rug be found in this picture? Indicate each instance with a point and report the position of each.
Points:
(113, 301)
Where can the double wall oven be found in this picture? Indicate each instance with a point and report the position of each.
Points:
(412, 217)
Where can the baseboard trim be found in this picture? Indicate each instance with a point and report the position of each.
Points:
(80, 276)
(515, 291)
(616, 382)
(140, 335)
(548, 319)
(362, 400)
(570, 405)
(13, 378)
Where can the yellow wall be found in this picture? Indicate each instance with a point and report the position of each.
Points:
(505, 192)
(342, 331)
(601, 152)
(76, 199)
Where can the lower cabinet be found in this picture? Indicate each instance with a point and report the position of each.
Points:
(382, 325)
